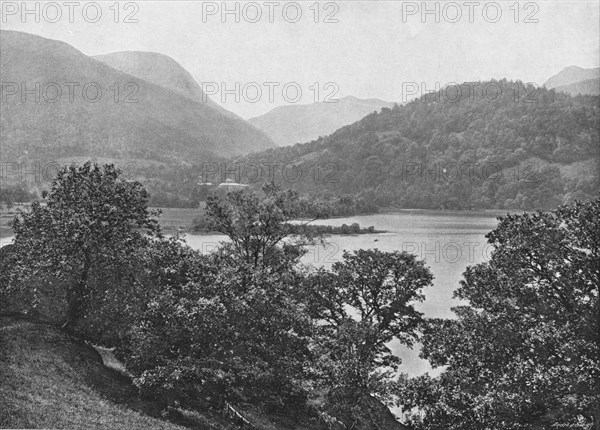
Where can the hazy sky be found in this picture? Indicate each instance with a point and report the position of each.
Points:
(375, 49)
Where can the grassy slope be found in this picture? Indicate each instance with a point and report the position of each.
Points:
(48, 380)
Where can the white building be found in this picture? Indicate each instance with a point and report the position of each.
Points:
(229, 186)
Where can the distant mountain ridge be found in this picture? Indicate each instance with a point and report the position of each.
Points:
(288, 125)
(161, 70)
(589, 86)
(159, 123)
(571, 75)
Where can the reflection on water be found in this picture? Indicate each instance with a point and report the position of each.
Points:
(448, 241)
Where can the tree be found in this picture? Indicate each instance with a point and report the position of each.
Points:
(228, 326)
(366, 301)
(525, 353)
(92, 224)
(258, 226)
(216, 328)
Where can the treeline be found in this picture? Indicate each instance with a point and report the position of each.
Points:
(183, 187)
(346, 205)
(499, 144)
(249, 326)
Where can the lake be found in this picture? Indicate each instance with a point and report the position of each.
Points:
(448, 241)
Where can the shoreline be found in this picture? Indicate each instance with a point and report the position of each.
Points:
(179, 220)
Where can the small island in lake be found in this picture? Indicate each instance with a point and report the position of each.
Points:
(201, 226)
(344, 229)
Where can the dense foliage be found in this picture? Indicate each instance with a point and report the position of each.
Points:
(219, 330)
(257, 227)
(524, 354)
(242, 325)
(480, 145)
(249, 325)
(362, 304)
(77, 247)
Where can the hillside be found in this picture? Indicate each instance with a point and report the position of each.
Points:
(570, 75)
(161, 70)
(589, 86)
(478, 152)
(128, 118)
(288, 125)
(48, 380)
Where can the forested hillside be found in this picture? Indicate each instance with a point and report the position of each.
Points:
(497, 144)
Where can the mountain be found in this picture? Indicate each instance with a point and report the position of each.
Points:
(161, 70)
(480, 152)
(66, 104)
(288, 125)
(571, 75)
(589, 86)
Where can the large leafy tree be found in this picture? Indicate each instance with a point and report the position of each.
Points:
(525, 353)
(229, 326)
(365, 301)
(258, 225)
(79, 246)
(234, 334)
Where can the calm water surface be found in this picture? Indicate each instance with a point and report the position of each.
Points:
(448, 241)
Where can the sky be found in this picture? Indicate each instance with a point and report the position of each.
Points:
(267, 54)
